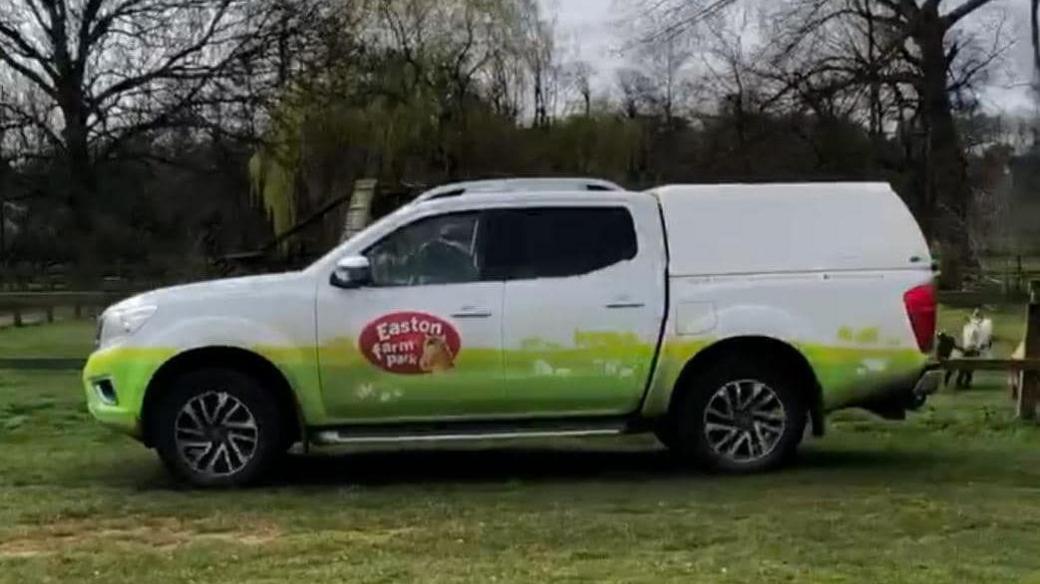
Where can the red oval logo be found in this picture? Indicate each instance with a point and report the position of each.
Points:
(410, 343)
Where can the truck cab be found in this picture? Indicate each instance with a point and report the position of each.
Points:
(486, 314)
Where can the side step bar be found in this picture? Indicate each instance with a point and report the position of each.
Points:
(465, 431)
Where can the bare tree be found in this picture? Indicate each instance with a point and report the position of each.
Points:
(1034, 27)
(112, 71)
(583, 83)
(864, 49)
(539, 54)
(665, 60)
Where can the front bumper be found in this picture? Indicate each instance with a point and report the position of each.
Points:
(115, 381)
(112, 415)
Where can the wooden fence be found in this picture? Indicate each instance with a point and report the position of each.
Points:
(19, 304)
(1028, 393)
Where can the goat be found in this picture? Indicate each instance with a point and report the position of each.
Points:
(945, 347)
(976, 341)
(1015, 377)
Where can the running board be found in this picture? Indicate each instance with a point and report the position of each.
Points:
(466, 431)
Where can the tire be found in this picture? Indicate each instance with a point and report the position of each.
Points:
(765, 409)
(665, 432)
(218, 428)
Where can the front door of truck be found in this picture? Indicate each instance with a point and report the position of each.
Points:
(423, 339)
(583, 306)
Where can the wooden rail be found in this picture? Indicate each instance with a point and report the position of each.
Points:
(1028, 394)
(42, 363)
(988, 364)
(18, 303)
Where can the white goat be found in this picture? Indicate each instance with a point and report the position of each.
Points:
(976, 341)
(977, 334)
(1015, 377)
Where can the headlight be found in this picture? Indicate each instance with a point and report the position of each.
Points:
(120, 322)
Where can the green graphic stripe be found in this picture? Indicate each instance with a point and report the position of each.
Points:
(599, 373)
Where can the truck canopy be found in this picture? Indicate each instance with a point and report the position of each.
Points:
(769, 228)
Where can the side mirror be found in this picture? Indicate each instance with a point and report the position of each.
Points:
(351, 272)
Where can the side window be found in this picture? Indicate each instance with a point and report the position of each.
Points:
(436, 250)
(557, 242)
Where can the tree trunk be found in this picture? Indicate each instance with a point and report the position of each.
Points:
(876, 112)
(1034, 28)
(79, 165)
(3, 225)
(947, 192)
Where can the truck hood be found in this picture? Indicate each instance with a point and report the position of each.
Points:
(229, 288)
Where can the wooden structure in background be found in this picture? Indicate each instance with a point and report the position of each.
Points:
(1029, 387)
(1028, 367)
(359, 213)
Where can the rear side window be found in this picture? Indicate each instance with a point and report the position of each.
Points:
(557, 242)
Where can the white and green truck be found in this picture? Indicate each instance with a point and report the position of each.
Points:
(727, 319)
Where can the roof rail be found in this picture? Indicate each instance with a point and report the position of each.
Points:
(513, 185)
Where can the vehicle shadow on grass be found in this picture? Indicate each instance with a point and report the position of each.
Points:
(562, 465)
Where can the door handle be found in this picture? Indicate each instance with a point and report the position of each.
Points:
(471, 312)
(623, 305)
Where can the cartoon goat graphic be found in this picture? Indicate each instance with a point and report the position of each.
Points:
(436, 355)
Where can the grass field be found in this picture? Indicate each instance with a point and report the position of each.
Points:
(952, 495)
(67, 339)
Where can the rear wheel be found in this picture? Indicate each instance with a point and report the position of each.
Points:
(218, 428)
(741, 416)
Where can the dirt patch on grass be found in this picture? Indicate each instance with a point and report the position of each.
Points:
(160, 534)
(372, 536)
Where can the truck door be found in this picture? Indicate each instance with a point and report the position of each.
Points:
(423, 339)
(583, 305)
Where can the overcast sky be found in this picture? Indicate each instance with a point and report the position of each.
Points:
(593, 29)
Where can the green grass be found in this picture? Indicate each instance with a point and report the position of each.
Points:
(952, 495)
(949, 496)
(72, 338)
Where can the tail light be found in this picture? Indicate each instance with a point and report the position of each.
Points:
(920, 307)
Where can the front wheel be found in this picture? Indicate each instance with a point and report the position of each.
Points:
(741, 416)
(218, 428)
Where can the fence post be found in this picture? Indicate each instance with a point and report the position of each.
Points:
(17, 316)
(1029, 393)
(1018, 275)
(1006, 283)
(50, 308)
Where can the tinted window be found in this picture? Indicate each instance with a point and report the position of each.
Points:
(435, 250)
(559, 242)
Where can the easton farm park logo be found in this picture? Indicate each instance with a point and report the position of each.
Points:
(410, 343)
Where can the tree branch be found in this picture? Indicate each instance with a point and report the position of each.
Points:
(963, 10)
(170, 64)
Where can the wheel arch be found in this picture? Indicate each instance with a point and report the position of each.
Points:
(226, 357)
(794, 362)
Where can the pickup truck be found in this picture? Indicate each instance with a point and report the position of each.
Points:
(726, 319)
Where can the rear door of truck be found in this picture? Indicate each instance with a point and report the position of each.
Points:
(584, 301)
